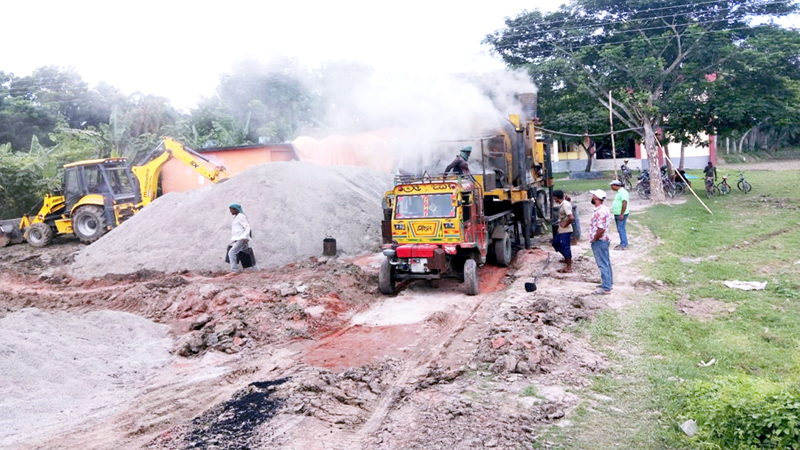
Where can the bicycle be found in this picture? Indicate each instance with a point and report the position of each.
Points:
(626, 177)
(723, 186)
(743, 185)
(711, 189)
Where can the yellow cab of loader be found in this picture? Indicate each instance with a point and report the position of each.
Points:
(98, 195)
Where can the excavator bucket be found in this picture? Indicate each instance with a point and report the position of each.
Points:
(10, 232)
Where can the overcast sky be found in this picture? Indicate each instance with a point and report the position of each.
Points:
(178, 49)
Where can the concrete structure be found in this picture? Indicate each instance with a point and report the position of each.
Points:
(178, 177)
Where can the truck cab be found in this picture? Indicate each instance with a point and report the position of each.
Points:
(434, 228)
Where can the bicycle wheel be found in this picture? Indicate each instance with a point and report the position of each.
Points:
(627, 183)
(744, 186)
(679, 189)
(724, 188)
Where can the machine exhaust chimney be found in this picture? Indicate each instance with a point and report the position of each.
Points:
(528, 102)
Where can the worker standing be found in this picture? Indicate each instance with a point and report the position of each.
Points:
(620, 211)
(240, 236)
(459, 165)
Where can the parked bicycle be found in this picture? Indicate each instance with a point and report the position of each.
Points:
(723, 186)
(625, 178)
(743, 185)
(711, 188)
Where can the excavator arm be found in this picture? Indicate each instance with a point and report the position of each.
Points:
(148, 172)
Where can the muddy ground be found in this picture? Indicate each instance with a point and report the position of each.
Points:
(311, 356)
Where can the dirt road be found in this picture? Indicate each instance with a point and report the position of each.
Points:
(310, 356)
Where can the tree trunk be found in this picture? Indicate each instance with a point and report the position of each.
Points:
(683, 148)
(656, 186)
(589, 154)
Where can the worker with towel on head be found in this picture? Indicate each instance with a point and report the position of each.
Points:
(240, 240)
(460, 165)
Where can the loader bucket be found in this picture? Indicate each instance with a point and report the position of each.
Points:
(10, 232)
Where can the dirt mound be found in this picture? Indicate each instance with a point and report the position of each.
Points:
(291, 207)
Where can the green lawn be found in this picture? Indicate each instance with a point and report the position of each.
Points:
(750, 397)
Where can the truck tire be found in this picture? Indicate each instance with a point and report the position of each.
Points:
(386, 278)
(502, 251)
(39, 235)
(89, 223)
(471, 276)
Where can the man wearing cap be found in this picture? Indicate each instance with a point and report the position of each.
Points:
(598, 237)
(620, 211)
(459, 165)
(240, 235)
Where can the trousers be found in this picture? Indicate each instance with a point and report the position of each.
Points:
(603, 260)
(623, 234)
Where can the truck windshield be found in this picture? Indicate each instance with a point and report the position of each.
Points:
(424, 206)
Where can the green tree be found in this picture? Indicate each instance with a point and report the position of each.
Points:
(642, 51)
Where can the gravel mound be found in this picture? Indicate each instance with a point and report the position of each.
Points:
(291, 206)
(60, 370)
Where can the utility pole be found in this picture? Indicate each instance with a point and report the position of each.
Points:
(613, 146)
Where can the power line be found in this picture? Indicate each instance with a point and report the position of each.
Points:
(654, 38)
(588, 135)
(618, 21)
(617, 32)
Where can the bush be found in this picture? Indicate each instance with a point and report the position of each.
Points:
(744, 412)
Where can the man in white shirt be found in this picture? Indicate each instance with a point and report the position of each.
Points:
(240, 235)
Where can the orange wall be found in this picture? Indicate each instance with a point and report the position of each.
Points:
(178, 177)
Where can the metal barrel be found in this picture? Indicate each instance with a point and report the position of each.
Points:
(329, 246)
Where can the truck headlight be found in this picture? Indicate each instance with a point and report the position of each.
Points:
(399, 226)
(449, 225)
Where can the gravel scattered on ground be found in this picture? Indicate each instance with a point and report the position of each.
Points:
(58, 370)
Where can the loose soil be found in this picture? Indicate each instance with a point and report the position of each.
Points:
(309, 355)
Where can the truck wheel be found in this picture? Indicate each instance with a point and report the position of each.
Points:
(471, 276)
(502, 251)
(39, 235)
(89, 223)
(527, 223)
(386, 278)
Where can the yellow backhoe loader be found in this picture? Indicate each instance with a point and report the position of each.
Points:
(100, 194)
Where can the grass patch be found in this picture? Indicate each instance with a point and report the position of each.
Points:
(750, 397)
(747, 398)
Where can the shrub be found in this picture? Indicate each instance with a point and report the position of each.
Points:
(744, 412)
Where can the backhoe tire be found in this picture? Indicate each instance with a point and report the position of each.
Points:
(89, 223)
(471, 276)
(502, 251)
(39, 235)
(386, 278)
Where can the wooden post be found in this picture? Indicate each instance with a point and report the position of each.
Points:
(613, 145)
(687, 183)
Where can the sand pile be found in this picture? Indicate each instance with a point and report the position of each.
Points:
(291, 207)
(60, 370)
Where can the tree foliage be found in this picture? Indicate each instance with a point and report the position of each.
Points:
(649, 54)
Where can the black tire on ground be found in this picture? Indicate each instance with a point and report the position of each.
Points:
(627, 183)
(386, 278)
(471, 276)
(39, 235)
(89, 223)
(724, 189)
(502, 251)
